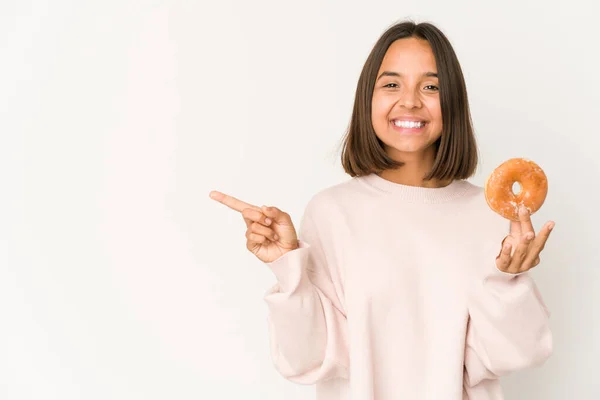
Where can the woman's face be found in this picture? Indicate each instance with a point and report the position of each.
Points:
(407, 89)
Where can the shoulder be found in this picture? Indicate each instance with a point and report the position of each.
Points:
(474, 197)
(331, 200)
(478, 212)
(472, 192)
(329, 196)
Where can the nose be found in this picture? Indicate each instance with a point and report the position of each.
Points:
(409, 99)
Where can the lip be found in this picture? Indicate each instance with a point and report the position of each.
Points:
(408, 118)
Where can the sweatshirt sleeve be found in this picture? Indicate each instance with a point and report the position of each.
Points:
(307, 320)
(508, 327)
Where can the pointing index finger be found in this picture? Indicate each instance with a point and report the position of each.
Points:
(231, 202)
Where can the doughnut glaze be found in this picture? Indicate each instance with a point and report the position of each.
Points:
(499, 192)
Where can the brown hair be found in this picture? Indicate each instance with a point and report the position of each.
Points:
(456, 150)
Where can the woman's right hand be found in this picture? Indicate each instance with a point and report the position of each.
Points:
(270, 232)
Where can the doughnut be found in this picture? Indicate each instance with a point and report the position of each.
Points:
(499, 192)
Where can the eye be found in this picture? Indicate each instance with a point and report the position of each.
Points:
(394, 85)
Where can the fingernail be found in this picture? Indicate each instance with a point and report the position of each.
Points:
(523, 210)
(551, 226)
(275, 237)
(268, 221)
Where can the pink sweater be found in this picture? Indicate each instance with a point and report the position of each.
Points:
(394, 294)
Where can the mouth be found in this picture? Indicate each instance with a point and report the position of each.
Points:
(408, 126)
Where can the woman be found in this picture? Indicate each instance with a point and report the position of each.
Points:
(402, 283)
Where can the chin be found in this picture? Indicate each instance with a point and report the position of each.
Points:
(398, 149)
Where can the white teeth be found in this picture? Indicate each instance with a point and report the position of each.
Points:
(409, 124)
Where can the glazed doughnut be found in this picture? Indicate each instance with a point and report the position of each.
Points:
(499, 192)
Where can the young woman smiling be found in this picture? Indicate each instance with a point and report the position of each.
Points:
(402, 284)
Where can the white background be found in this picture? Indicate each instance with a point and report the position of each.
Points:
(120, 279)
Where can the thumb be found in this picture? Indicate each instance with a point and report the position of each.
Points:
(276, 214)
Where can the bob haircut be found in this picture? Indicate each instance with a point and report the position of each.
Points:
(456, 149)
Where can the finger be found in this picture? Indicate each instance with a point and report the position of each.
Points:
(515, 228)
(518, 258)
(276, 214)
(503, 259)
(525, 220)
(231, 202)
(285, 224)
(539, 243)
(545, 232)
(263, 231)
(255, 240)
(502, 246)
(252, 215)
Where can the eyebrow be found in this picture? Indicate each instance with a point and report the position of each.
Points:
(397, 74)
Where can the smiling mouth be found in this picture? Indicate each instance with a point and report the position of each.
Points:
(409, 124)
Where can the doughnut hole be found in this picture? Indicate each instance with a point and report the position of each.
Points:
(516, 188)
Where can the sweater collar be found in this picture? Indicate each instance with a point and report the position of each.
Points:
(416, 194)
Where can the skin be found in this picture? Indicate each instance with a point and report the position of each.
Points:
(521, 249)
(270, 232)
(403, 89)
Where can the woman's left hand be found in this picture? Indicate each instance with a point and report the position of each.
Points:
(527, 246)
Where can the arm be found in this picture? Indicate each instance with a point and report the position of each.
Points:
(307, 321)
(508, 327)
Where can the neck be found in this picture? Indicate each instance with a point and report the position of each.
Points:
(411, 174)
(416, 166)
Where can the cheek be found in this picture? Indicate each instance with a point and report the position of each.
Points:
(380, 108)
(436, 111)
